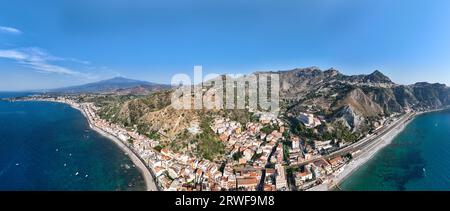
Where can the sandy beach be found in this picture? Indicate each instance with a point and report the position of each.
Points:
(146, 172)
(148, 178)
(365, 155)
(362, 156)
(368, 153)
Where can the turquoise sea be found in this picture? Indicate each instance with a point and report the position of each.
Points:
(417, 159)
(49, 146)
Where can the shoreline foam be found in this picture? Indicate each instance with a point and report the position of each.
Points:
(140, 165)
(364, 156)
(352, 168)
(362, 159)
(148, 177)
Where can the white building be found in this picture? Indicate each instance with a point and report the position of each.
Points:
(280, 180)
(309, 120)
(295, 144)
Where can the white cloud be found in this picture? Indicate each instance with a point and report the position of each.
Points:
(12, 54)
(9, 30)
(40, 60)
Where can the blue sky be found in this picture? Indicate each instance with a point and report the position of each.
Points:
(53, 43)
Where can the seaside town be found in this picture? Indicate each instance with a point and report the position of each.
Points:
(261, 155)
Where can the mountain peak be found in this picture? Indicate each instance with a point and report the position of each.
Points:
(121, 79)
(378, 77)
(378, 73)
(110, 85)
(332, 72)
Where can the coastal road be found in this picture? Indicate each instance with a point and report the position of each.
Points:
(365, 143)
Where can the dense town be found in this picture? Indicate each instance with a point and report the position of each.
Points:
(261, 155)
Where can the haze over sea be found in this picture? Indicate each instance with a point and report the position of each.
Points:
(417, 159)
(49, 146)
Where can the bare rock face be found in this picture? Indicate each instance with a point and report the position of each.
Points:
(355, 108)
(431, 95)
(361, 103)
(299, 82)
(354, 99)
(374, 78)
(349, 118)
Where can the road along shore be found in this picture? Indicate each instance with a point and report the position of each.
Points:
(366, 153)
(145, 171)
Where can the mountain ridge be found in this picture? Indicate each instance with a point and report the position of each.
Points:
(116, 84)
(361, 97)
(350, 106)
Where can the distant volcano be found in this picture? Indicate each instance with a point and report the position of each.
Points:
(120, 84)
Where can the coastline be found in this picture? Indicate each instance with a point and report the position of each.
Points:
(364, 155)
(368, 153)
(140, 165)
(362, 151)
(148, 178)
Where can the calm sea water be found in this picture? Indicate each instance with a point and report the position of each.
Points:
(418, 159)
(49, 146)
